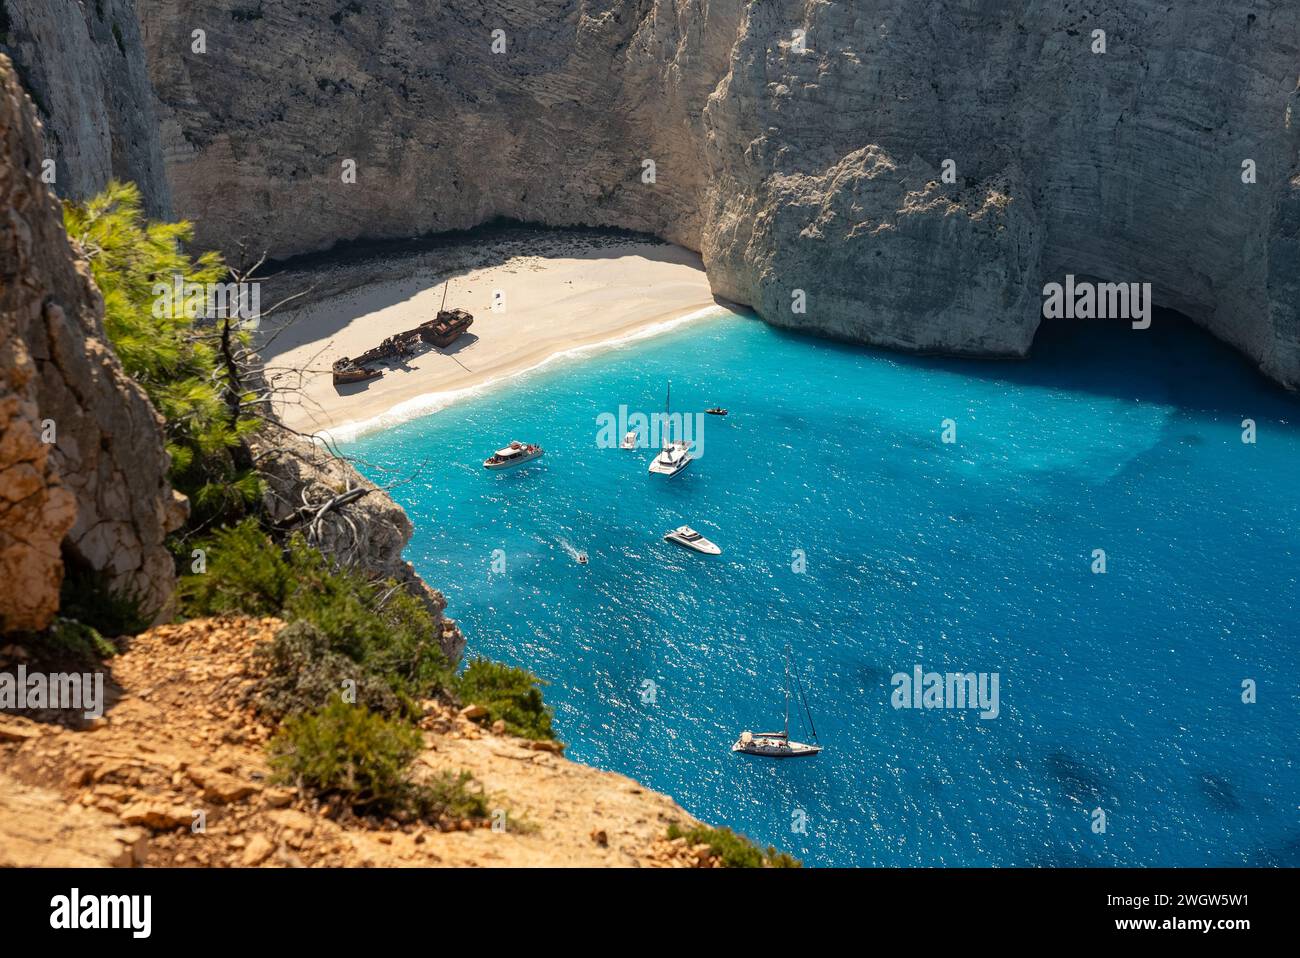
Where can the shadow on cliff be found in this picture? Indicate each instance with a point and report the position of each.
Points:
(1174, 363)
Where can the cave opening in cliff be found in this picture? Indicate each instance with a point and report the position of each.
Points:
(1173, 360)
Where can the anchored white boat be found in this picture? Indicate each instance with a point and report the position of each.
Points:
(688, 537)
(629, 441)
(778, 744)
(514, 454)
(672, 459)
(772, 745)
(675, 455)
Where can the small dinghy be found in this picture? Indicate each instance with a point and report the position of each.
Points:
(688, 537)
(778, 744)
(716, 411)
(514, 454)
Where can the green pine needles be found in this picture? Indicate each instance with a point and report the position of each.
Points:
(170, 352)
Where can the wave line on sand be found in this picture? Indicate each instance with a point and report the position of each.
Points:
(426, 404)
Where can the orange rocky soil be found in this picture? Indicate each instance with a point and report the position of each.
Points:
(178, 744)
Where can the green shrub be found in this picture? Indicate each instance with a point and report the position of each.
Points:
(379, 626)
(451, 796)
(302, 672)
(508, 693)
(86, 597)
(349, 751)
(364, 758)
(736, 851)
(79, 641)
(246, 573)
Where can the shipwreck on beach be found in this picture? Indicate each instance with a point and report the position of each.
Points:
(441, 331)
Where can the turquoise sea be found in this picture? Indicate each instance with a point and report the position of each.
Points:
(1120, 691)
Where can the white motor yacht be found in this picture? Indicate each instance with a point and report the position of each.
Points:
(514, 454)
(688, 537)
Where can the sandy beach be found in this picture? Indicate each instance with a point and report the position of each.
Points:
(531, 301)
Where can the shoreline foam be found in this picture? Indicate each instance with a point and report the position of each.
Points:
(428, 404)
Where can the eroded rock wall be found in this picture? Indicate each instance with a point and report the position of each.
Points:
(83, 472)
(1124, 166)
(445, 133)
(810, 165)
(83, 64)
(309, 490)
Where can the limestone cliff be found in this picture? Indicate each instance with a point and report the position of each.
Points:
(1124, 165)
(82, 63)
(83, 472)
(798, 144)
(302, 480)
(445, 133)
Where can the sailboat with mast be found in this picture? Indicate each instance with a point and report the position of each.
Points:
(778, 744)
(675, 454)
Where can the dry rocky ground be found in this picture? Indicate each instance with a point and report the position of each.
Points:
(177, 740)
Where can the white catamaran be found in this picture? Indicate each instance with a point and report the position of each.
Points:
(778, 744)
(675, 455)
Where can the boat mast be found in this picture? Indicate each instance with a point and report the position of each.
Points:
(668, 417)
(445, 286)
(787, 699)
(803, 697)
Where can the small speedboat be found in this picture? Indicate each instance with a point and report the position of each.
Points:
(629, 441)
(582, 558)
(716, 411)
(688, 537)
(515, 454)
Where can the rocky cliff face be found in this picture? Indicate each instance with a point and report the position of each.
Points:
(83, 473)
(793, 161)
(798, 144)
(82, 63)
(82, 464)
(825, 167)
(307, 489)
(445, 133)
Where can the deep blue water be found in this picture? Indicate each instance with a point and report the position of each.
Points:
(1120, 691)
